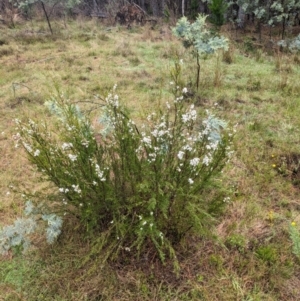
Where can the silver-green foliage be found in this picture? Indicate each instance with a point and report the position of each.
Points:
(200, 38)
(292, 45)
(136, 187)
(197, 34)
(295, 237)
(26, 3)
(17, 236)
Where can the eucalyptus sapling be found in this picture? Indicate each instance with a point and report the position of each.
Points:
(197, 36)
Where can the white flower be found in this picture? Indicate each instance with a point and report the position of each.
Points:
(184, 90)
(191, 115)
(72, 157)
(191, 181)
(206, 160)
(36, 153)
(66, 146)
(27, 147)
(15, 137)
(188, 147)
(171, 83)
(180, 155)
(146, 140)
(226, 200)
(76, 188)
(100, 173)
(85, 143)
(195, 161)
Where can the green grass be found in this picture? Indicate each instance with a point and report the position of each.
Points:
(252, 257)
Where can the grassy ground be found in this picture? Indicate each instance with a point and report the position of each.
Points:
(251, 259)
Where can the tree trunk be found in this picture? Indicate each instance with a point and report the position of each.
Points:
(142, 4)
(47, 17)
(241, 17)
(203, 7)
(182, 7)
(162, 6)
(154, 7)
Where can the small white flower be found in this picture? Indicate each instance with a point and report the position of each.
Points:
(36, 153)
(85, 143)
(194, 162)
(127, 249)
(100, 173)
(226, 200)
(66, 146)
(72, 157)
(181, 61)
(206, 160)
(171, 83)
(76, 188)
(61, 190)
(146, 140)
(191, 181)
(80, 204)
(180, 155)
(27, 147)
(184, 90)
(7, 193)
(188, 147)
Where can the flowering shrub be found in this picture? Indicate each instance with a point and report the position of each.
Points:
(138, 187)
